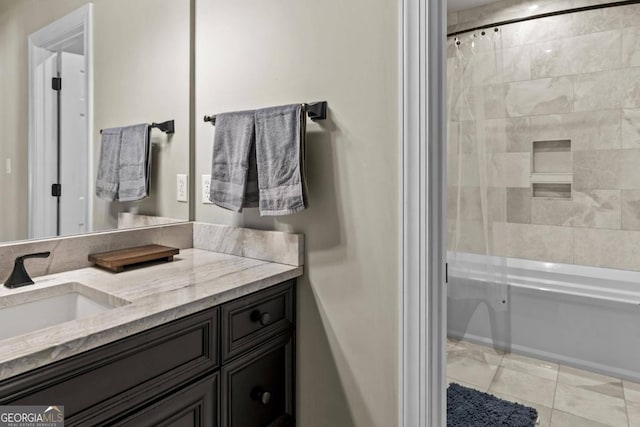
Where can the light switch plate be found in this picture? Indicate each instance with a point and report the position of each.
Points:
(182, 193)
(206, 188)
(8, 166)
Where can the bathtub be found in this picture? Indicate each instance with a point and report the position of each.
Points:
(580, 316)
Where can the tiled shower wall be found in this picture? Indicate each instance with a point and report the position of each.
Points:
(577, 77)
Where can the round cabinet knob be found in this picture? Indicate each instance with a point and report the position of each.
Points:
(263, 318)
(261, 395)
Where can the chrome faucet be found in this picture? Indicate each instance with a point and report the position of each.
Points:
(19, 276)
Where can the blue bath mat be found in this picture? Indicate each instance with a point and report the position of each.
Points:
(472, 408)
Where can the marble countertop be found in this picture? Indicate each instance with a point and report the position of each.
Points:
(194, 281)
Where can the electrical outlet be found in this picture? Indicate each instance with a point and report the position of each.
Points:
(206, 189)
(182, 193)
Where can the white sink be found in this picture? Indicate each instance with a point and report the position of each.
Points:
(30, 311)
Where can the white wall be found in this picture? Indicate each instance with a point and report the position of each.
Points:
(142, 57)
(255, 53)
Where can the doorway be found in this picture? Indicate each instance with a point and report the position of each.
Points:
(60, 119)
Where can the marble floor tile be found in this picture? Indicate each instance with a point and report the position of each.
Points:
(544, 412)
(523, 386)
(562, 419)
(564, 396)
(492, 355)
(631, 391)
(590, 405)
(470, 370)
(591, 381)
(465, 384)
(451, 343)
(529, 365)
(633, 411)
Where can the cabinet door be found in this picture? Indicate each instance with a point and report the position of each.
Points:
(257, 389)
(193, 406)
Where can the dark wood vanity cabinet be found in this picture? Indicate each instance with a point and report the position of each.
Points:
(230, 365)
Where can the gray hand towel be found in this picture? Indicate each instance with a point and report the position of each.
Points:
(280, 149)
(233, 170)
(107, 182)
(125, 164)
(135, 163)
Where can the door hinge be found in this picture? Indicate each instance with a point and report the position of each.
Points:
(56, 83)
(446, 272)
(56, 190)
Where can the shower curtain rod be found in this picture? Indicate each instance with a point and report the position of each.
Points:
(546, 15)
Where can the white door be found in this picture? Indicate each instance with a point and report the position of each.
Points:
(45, 173)
(60, 150)
(73, 145)
(64, 163)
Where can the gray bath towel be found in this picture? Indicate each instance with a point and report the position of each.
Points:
(107, 182)
(125, 164)
(233, 171)
(135, 163)
(280, 149)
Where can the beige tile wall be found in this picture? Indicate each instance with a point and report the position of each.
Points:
(573, 76)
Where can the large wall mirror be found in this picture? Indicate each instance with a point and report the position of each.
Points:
(70, 69)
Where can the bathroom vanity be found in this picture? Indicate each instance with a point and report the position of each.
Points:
(205, 340)
(229, 365)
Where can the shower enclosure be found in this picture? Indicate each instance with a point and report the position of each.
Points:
(543, 183)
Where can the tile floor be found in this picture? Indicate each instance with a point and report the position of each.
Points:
(563, 396)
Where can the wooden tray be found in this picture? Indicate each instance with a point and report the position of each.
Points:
(116, 261)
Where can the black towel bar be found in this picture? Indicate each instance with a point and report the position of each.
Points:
(167, 127)
(315, 111)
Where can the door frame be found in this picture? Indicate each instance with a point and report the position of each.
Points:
(423, 254)
(80, 21)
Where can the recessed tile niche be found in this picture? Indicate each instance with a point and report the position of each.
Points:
(552, 169)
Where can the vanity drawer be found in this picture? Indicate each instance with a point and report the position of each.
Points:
(257, 388)
(112, 379)
(256, 318)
